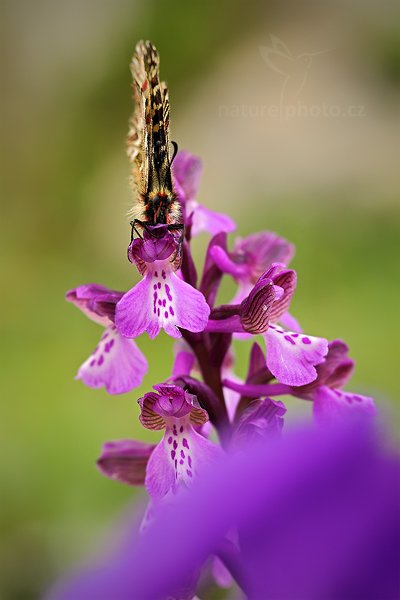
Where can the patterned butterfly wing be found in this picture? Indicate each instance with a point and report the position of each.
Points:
(148, 141)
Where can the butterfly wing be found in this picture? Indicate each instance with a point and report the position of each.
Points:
(139, 135)
(148, 136)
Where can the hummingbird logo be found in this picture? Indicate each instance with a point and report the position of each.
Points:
(294, 69)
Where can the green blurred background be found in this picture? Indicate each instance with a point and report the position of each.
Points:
(328, 183)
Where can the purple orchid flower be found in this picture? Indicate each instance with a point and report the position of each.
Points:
(116, 363)
(178, 458)
(291, 356)
(330, 402)
(250, 258)
(187, 172)
(162, 299)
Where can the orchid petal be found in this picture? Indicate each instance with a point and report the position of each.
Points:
(334, 372)
(208, 220)
(331, 405)
(291, 357)
(187, 171)
(161, 299)
(180, 456)
(285, 279)
(290, 322)
(116, 363)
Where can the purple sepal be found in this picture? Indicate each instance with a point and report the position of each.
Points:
(289, 322)
(256, 308)
(188, 267)
(224, 262)
(186, 170)
(334, 372)
(257, 371)
(210, 221)
(331, 405)
(262, 249)
(96, 301)
(184, 360)
(125, 461)
(169, 401)
(212, 274)
(259, 419)
(286, 280)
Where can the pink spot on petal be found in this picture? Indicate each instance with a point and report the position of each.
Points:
(109, 345)
(306, 340)
(101, 360)
(185, 443)
(168, 291)
(170, 440)
(289, 339)
(189, 472)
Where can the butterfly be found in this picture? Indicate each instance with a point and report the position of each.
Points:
(148, 146)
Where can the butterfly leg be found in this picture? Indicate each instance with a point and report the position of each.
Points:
(178, 227)
(133, 225)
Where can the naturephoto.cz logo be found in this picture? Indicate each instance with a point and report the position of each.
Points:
(294, 71)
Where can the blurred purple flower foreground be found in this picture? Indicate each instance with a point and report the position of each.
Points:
(315, 514)
(309, 516)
